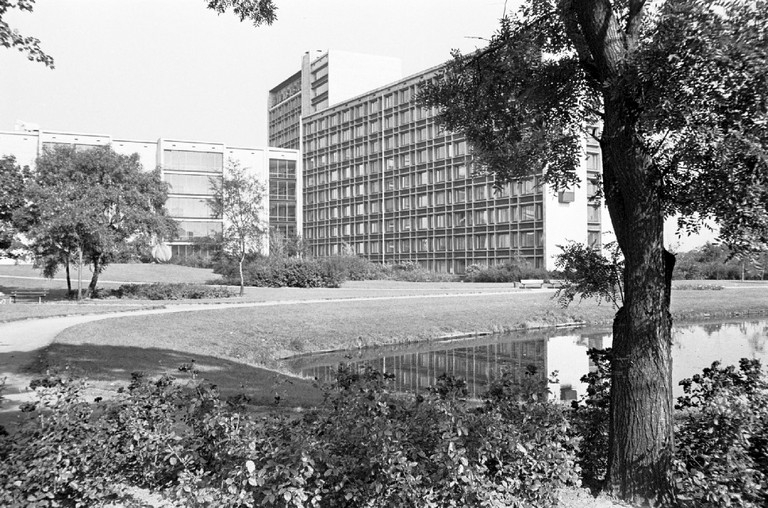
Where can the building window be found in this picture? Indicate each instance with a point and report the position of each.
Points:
(458, 243)
(593, 214)
(527, 239)
(422, 222)
(481, 242)
(481, 217)
(527, 212)
(502, 215)
(502, 240)
(405, 224)
(459, 195)
(440, 244)
(389, 225)
(422, 200)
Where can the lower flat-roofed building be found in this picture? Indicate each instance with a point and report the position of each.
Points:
(189, 167)
(383, 180)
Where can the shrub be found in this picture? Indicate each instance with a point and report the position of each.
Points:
(283, 272)
(590, 420)
(722, 437)
(171, 291)
(365, 446)
(721, 434)
(410, 271)
(507, 272)
(698, 287)
(357, 268)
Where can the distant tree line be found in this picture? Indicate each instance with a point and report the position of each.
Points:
(713, 261)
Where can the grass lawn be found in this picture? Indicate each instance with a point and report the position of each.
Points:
(287, 321)
(261, 335)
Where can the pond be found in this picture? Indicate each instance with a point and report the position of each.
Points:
(480, 359)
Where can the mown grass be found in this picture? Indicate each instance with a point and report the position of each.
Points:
(262, 335)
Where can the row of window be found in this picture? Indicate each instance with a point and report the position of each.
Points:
(188, 160)
(421, 156)
(191, 184)
(523, 240)
(462, 218)
(403, 96)
(282, 168)
(282, 189)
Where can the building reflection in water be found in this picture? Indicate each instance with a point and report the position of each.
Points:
(478, 360)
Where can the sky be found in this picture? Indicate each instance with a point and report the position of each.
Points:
(145, 69)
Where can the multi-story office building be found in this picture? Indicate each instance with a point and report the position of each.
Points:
(189, 168)
(383, 180)
(325, 78)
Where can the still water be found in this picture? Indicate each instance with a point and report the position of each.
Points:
(480, 359)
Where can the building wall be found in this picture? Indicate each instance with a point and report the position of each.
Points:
(187, 166)
(325, 78)
(381, 179)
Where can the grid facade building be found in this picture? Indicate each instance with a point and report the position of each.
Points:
(325, 78)
(383, 180)
(190, 168)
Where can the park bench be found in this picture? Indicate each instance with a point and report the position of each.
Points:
(28, 294)
(531, 283)
(555, 283)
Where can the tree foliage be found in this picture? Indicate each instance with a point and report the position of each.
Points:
(91, 203)
(590, 273)
(675, 93)
(13, 182)
(11, 38)
(258, 12)
(239, 200)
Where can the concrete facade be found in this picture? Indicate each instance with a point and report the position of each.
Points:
(383, 180)
(188, 167)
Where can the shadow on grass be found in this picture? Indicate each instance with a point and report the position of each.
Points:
(110, 367)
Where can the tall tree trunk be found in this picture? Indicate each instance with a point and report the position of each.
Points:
(95, 276)
(242, 278)
(641, 429)
(69, 280)
(80, 274)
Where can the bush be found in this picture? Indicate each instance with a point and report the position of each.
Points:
(721, 434)
(357, 268)
(722, 437)
(282, 272)
(507, 272)
(410, 271)
(171, 291)
(365, 446)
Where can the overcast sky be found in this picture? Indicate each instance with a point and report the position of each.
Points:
(144, 69)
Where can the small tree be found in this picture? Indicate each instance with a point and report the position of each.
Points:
(13, 182)
(590, 273)
(239, 200)
(90, 204)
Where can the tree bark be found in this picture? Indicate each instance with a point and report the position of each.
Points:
(242, 278)
(95, 276)
(641, 421)
(69, 280)
(641, 443)
(80, 274)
